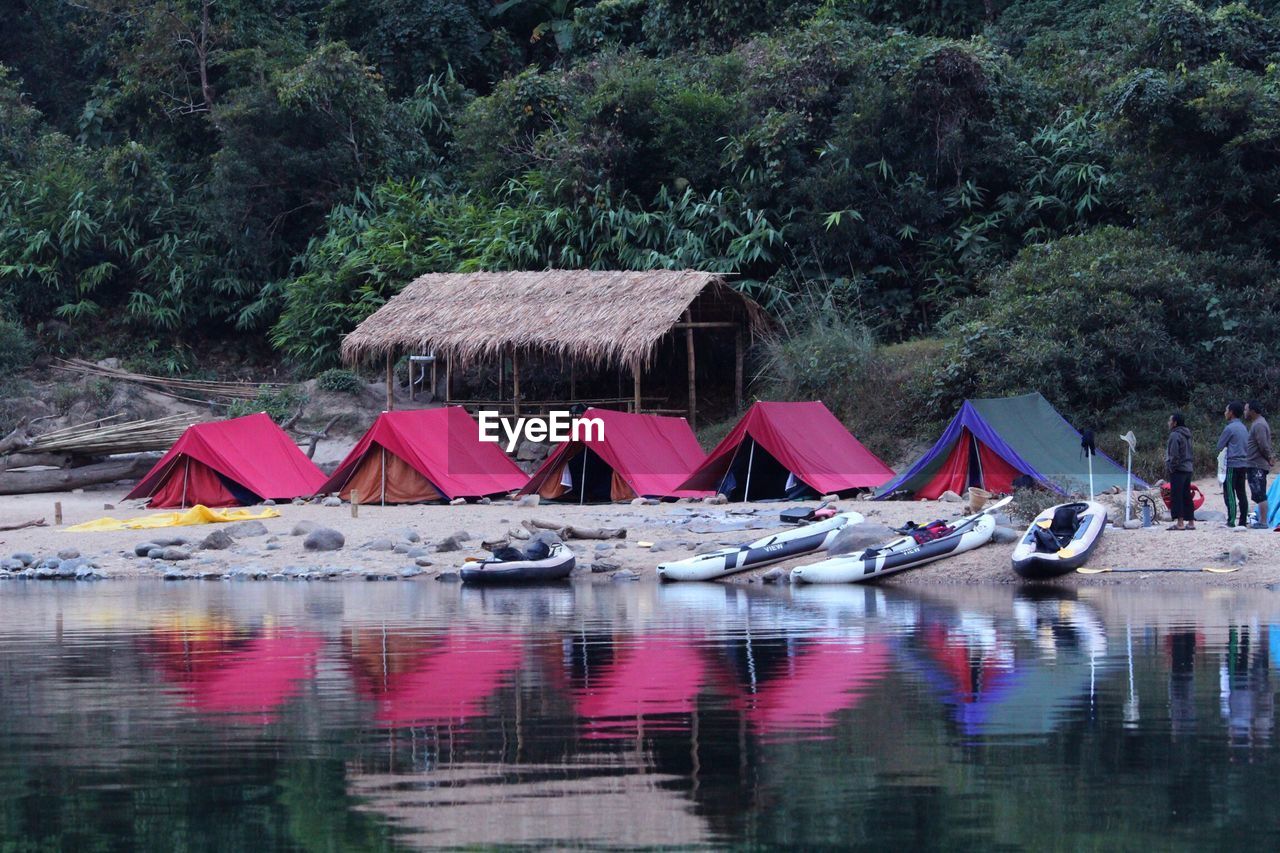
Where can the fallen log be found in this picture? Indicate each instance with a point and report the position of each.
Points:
(32, 460)
(35, 522)
(16, 440)
(569, 531)
(66, 479)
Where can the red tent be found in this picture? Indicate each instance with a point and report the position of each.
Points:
(424, 455)
(777, 447)
(639, 456)
(230, 463)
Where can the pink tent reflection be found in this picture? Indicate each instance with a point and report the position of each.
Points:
(221, 674)
(829, 676)
(435, 682)
(652, 679)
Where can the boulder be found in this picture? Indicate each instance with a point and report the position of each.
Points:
(463, 536)
(528, 500)
(417, 551)
(645, 502)
(774, 575)
(324, 539)
(458, 502)
(302, 528)
(410, 535)
(950, 497)
(173, 553)
(447, 544)
(68, 554)
(246, 529)
(218, 540)
(379, 545)
(598, 566)
(9, 564)
(718, 499)
(332, 500)
(625, 575)
(422, 562)
(1133, 524)
(857, 537)
(1005, 535)
(27, 559)
(410, 572)
(448, 577)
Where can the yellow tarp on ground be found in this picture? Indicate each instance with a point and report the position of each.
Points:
(198, 514)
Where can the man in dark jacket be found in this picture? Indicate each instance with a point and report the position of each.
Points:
(1260, 459)
(1177, 463)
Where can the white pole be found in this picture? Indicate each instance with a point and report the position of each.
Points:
(1128, 481)
(185, 471)
(751, 458)
(1089, 453)
(384, 476)
(582, 479)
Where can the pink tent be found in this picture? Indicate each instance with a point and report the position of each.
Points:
(778, 445)
(639, 456)
(422, 455)
(229, 463)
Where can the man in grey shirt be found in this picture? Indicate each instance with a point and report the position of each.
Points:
(1260, 458)
(1235, 438)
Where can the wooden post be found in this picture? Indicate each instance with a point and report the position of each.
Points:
(57, 512)
(355, 503)
(573, 380)
(391, 397)
(448, 379)
(515, 381)
(635, 373)
(738, 357)
(502, 377)
(693, 382)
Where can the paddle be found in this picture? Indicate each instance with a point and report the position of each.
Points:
(1216, 570)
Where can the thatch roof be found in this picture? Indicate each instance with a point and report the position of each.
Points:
(595, 317)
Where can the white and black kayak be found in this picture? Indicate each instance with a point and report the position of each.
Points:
(924, 545)
(555, 566)
(776, 547)
(1060, 540)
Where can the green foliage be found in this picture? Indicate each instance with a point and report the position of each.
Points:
(17, 350)
(339, 381)
(1114, 323)
(1029, 503)
(280, 404)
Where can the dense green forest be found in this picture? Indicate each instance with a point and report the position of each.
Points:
(1077, 196)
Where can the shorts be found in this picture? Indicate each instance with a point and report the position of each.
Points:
(1257, 484)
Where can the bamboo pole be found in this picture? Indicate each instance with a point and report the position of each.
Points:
(635, 373)
(391, 396)
(57, 512)
(515, 380)
(738, 358)
(355, 503)
(693, 380)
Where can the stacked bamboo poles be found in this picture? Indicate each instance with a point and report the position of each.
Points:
(191, 390)
(101, 438)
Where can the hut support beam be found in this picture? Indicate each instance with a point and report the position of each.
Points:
(515, 381)
(448, 379)
(391, 384)
(635, 373)
(693, 380)
(738, 358)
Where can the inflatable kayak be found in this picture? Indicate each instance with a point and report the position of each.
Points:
(555, 566)
(915, 548)
(1060, 540)
(776, 547)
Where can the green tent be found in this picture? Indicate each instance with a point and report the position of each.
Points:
(992, 442)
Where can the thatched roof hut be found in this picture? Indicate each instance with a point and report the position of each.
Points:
(601, 318)
(582, 317)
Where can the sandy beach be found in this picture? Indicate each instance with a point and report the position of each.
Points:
(676, 529)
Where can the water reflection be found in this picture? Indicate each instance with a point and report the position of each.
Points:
(420, 715)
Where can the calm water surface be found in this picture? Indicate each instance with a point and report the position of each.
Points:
(400, 716)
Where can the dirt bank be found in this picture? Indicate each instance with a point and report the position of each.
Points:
(678, 529)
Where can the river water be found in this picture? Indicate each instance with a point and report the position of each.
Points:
(226, 716)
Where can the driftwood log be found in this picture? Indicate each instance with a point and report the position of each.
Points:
(569, 531)
(65, 479)
(47, 460)
(35, 522)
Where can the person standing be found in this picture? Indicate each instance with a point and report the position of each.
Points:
(1260, 459)
(1177, 463)
(1235, 438)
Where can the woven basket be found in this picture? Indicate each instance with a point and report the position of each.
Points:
(978, 498)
